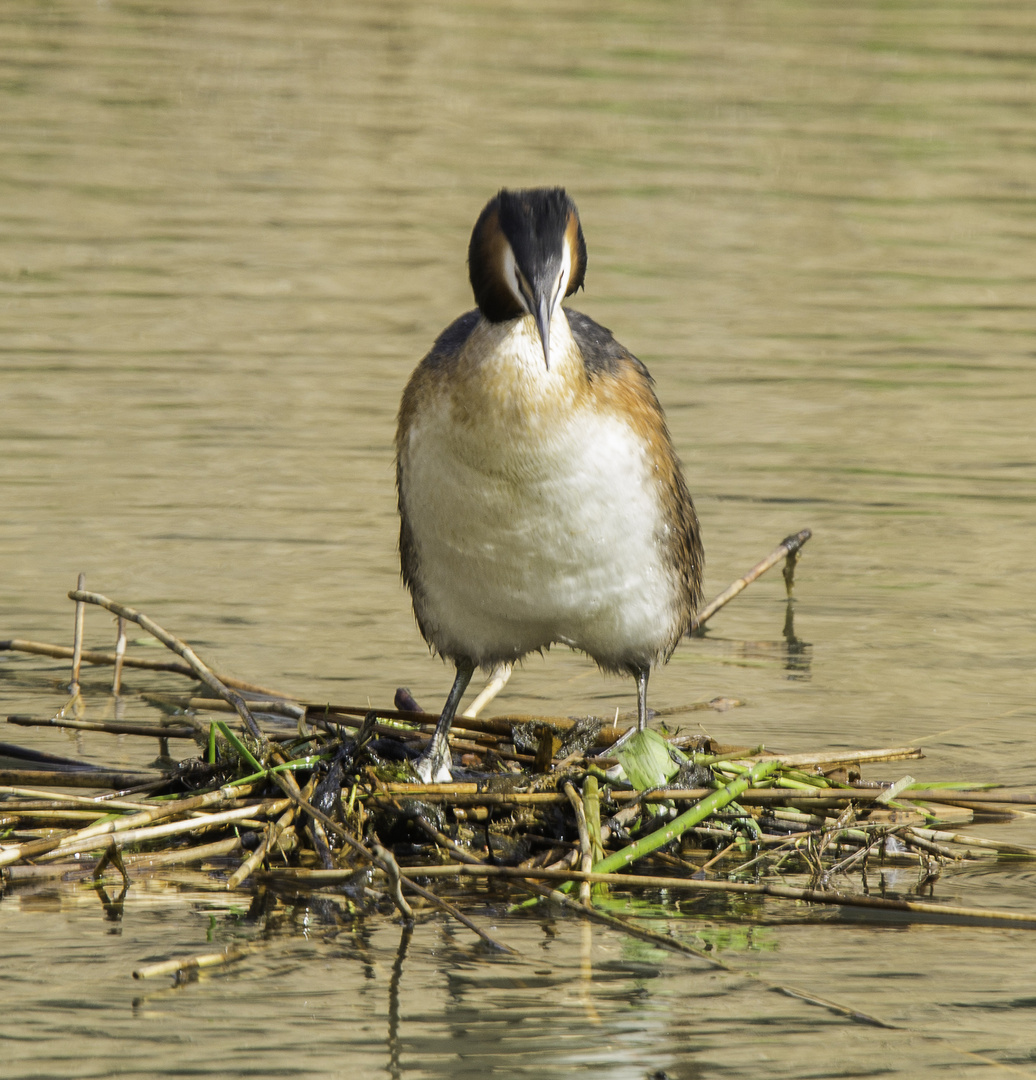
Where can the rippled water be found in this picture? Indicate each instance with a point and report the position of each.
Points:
(231, 230)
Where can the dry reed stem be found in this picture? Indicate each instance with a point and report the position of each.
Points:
(274, 831)
(270, 706)
(194, 963)
(103, 805)
(813, 798)
(838, 757)
(496, 682)
(79, 778)
(122, 837)
(649, 881)
(120, 654)
(34, 848)
(155, 731)
(16, 815)
(143, 861)
(493, 725)
(586, 855)
(177, 856)
(975, 841)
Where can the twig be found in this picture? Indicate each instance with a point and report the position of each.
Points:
(181, 648)
(78, 778)
(395, 878)
(120, 654)
(77, 640)
(494, 725)
(789, 546)
(63, 652)
(271, 706)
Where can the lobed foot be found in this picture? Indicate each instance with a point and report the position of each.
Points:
(433, 766)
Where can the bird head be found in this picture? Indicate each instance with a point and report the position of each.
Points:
(527, 253)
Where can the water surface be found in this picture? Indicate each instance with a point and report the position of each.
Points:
(231, 230)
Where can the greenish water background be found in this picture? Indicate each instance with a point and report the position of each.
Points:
(230, 231)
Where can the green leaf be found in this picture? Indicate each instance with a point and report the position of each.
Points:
(647, 760)
(243, 752)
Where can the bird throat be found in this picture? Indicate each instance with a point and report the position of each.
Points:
(502, 371)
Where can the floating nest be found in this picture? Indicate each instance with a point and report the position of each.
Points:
(292, 797)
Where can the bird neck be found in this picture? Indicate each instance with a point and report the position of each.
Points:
(502, 378)
(513, 350)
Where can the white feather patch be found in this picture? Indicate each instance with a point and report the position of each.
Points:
(536, 518)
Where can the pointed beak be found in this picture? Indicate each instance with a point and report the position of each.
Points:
(543, 324)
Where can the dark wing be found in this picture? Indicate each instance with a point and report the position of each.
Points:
(450, 342)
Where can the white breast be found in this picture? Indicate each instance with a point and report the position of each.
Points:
(535, 518)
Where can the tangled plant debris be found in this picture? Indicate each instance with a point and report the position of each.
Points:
(289, 797)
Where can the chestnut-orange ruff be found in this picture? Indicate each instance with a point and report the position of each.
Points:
(540, 498)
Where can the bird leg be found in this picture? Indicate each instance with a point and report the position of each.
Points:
(433, 766)
(642, 709)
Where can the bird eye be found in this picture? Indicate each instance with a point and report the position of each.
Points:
(559, 288)
(525, 290)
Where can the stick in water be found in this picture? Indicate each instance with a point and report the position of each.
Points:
(77, 640)
(787, 548)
